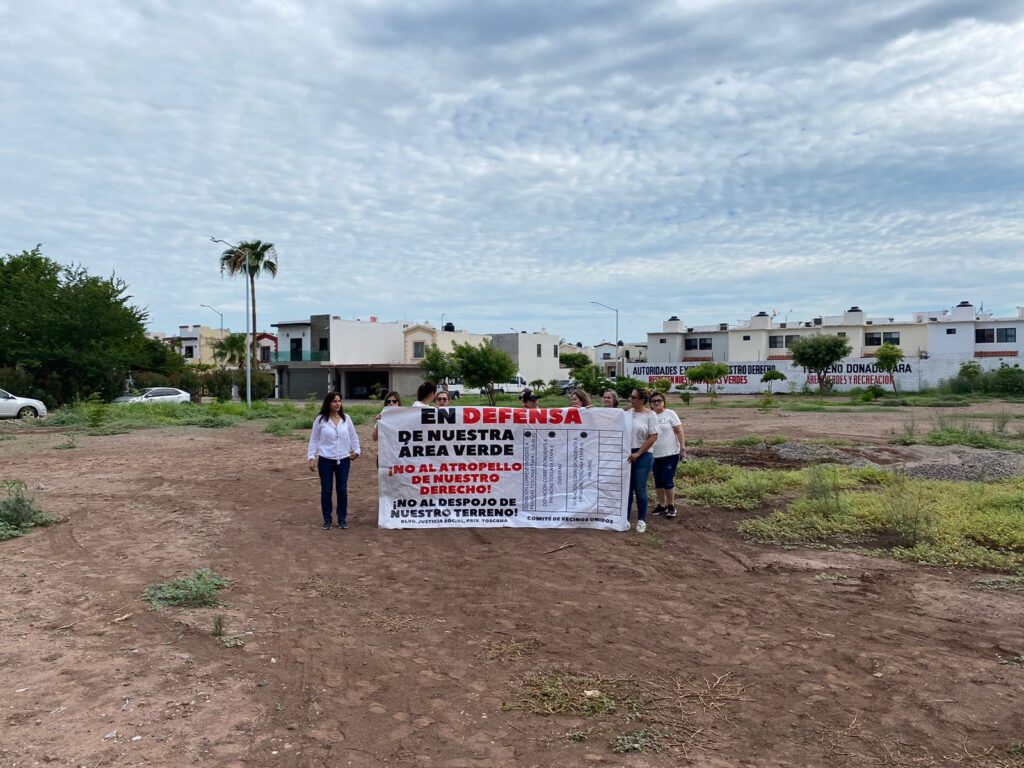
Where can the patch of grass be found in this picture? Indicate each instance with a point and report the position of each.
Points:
(579, 734)
(563, 692)
(743, 489)
(637, 741)
(218, 625)
(962, 525)
(751, 441)
(200, 590)
(506, 650)
(69, 443)
(704, 471)
(833, 577)
(1007, 583)
(4, 436)
(19, 513)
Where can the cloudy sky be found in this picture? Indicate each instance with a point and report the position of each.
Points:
(505, 163)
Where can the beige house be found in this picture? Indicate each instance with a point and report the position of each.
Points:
(420, 337)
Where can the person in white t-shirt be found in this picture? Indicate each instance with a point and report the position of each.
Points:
(425, 395)
(670, 446)
(643, 435)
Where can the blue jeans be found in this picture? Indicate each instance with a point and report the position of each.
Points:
(333, 473)
(665, 471)
(638, 474)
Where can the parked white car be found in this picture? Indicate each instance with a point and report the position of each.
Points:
(14, 407)
(157, 395)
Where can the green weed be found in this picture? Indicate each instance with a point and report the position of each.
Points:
(18, 512)
(637, 741)
(563, 692)
(742, 489)
(68, 444)
(199, 590)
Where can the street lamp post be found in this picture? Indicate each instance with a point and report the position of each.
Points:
(221, 323)
(248, 346)
(613, 309)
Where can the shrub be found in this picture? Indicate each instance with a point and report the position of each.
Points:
(18, 512)
(220, 383)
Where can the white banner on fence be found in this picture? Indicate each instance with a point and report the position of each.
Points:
(745, 377)
(484, 467)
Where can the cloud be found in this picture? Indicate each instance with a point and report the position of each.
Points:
(506, 165)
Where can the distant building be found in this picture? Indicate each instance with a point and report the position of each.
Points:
(934, 344)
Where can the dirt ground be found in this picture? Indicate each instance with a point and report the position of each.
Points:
(367, 647)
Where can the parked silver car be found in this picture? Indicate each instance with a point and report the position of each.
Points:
(157, 395)
(12, 407)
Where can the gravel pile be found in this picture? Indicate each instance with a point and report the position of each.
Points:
(926, 462)
(961, 463)
(817, 454)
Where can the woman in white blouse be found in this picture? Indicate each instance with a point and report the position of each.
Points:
(644, 433)
(333, 446)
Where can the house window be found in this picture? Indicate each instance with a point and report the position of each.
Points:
(606, 355)
(419, 349)
(842, 333)
(891, 337)
(690, 344)
(776, 342)
(190, 351)
(325, 344)
(791, 339)
(951, 331)
(264, 354)
(746, 338)
(538, 350)
(984, 335)
(662, 341)
(556, 350)
(1006, 335)
(873, 339)
(704, 343)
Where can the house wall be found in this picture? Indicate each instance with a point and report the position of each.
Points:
(358, 342)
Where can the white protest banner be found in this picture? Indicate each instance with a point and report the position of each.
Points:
(485, 467)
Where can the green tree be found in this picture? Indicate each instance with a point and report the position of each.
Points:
(482, 366)
(662, 385)
(438, 366)
(261, 257)
(159, 358)
(887, 358)
(573, 360)
(74, 334)
(772, 375)
(591, 379)
(231, 350)
(817, 354)
(708, 374)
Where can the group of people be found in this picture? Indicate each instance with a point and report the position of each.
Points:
(656, 436)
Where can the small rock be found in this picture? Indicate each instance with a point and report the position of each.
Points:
(136, 738)
(110, 736)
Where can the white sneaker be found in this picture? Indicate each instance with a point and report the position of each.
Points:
(641, 526)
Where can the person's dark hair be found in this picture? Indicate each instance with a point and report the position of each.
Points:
(525, 394)
(392, 394)
(425, 390)
(582, 395)
(643, 394)
(325, 407)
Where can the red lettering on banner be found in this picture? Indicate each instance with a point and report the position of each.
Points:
(521, 415)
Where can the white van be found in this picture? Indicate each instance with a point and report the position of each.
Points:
(515, 386)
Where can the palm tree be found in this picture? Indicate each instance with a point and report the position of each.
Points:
(231, 350)
(261, 257)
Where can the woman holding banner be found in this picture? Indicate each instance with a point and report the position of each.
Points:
(644, 433)
(392, 398)
(579, 398)
(333, 446)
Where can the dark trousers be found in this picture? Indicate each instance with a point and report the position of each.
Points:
(638, 474)
(333, 473)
